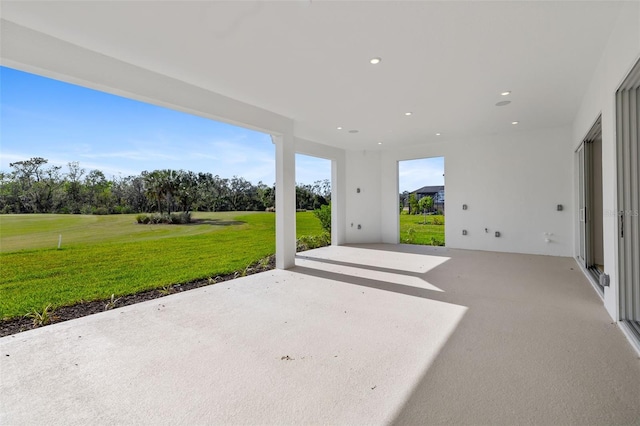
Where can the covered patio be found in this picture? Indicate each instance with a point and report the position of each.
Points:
(506, 325)
(359, 334)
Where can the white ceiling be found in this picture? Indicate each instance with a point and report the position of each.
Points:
(446, 62)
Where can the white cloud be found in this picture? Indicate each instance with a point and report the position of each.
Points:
(311, 169)
(132, 155)
(248, 156)
(107, 169)
(414, 174)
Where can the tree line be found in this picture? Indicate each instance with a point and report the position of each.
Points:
(34, 186)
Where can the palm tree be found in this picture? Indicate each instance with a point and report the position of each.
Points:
(153, 186)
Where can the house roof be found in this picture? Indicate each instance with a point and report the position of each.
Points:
(309, 61)
(428, 190)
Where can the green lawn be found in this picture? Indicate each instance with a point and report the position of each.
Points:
(104, 255)
(413, 229)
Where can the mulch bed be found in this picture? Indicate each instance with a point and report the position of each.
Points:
(65, 313)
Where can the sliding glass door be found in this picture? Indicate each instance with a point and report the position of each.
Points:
(628, 165)
(590, 212)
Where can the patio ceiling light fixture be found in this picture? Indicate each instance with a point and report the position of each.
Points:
(514, 122)
(438, 134)
(408, 113)
(375, 61)
(506, 93)
(339, 127)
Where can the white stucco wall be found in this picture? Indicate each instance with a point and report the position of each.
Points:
(363, 208)
(622, 52)
(510, 183)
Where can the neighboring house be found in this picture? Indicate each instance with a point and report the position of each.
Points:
(435, 192)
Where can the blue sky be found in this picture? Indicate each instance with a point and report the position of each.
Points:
(414, 174)
(61, 122)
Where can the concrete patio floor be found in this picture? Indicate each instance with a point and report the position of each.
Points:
(373, 334)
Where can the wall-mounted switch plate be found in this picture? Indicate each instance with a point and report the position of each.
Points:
(359, 226)
(497, 234)
(464, 232)
(358, 190)
(559, 207)
(464, 207)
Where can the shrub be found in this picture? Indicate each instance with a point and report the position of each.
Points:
(166, 290)
(158, 218)
(101, 211)
(436, 242)
(40, 318)
(122, 210)
(324, 215)
(143, 219)
(180, 218)
(308, 242)
(437, 221)
(410, 236)
(111, 303)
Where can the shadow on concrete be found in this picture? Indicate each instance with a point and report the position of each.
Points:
(361, 266)
(370, 283)
(535, 345)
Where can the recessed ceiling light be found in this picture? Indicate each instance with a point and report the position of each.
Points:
(506, 93)
(408, 113)
(437, 134)
(379, 143)
(353, 131)
(375, 61)
(339, 128)
(514, 122)
(503, 103)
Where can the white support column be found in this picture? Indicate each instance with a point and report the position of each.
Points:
(338, 201)
(389, 200)
(285, 201)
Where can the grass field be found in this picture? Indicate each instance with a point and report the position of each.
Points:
(105, 255)
(413, 229)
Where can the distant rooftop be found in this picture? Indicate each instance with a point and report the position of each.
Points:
(428, 189)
